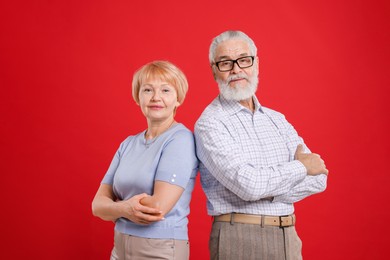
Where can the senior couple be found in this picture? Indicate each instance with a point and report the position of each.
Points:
(252, 163)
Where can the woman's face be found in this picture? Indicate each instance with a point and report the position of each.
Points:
(157, 99)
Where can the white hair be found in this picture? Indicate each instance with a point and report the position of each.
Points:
(227, 36)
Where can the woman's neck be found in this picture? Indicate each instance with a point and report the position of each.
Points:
(157, 128)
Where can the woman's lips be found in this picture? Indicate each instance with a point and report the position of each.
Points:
(155, 107)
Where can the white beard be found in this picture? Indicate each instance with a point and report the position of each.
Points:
(238, 92)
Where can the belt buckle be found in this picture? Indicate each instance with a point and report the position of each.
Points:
(289, 217)
(280, 222)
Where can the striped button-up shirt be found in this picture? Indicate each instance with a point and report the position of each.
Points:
(247, 160)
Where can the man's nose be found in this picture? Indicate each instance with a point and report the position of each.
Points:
(236, 68)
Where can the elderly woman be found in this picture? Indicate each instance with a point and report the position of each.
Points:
(147, 188)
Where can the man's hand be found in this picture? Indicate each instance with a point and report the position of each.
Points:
(313, 162)
(137, 213)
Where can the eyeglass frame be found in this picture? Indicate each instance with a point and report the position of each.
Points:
(236, 62)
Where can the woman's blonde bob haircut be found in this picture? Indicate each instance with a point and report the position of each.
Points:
(164, 71)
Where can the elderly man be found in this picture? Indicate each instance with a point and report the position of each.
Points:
(254, 166)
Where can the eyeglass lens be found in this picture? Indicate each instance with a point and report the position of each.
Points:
(227, 65)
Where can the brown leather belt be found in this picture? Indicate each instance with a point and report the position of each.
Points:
(278, 221)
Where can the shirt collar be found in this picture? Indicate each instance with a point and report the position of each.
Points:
(233, 106)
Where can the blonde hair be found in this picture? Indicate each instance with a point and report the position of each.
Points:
(165, 71)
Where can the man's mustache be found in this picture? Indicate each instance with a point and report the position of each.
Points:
(235, 77)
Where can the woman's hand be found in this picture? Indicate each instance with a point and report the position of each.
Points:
(165, 196)
(133, 210)
(107, 207)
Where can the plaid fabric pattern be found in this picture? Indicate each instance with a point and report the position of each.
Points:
(247, 160)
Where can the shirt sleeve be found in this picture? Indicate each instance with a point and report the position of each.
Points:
(222, 156)
(109, 176)
(310, 184)
(178, 162)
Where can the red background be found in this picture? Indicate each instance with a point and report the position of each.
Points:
(65, 75)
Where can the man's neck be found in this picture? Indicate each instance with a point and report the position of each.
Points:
(248, 103)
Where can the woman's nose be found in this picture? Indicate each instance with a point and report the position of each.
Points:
(156, 96)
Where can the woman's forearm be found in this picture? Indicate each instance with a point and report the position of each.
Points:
(104, 204)
(106, 209)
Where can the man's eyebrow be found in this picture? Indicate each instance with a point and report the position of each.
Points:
(223, 57)
(229, 58)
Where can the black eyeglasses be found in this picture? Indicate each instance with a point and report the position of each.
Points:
(228, 65)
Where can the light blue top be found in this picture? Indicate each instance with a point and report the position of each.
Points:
(170, 157)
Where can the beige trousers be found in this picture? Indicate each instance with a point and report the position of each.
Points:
(128, 247)
(253, 242)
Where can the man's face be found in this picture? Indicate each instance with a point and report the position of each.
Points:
(236, 84)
